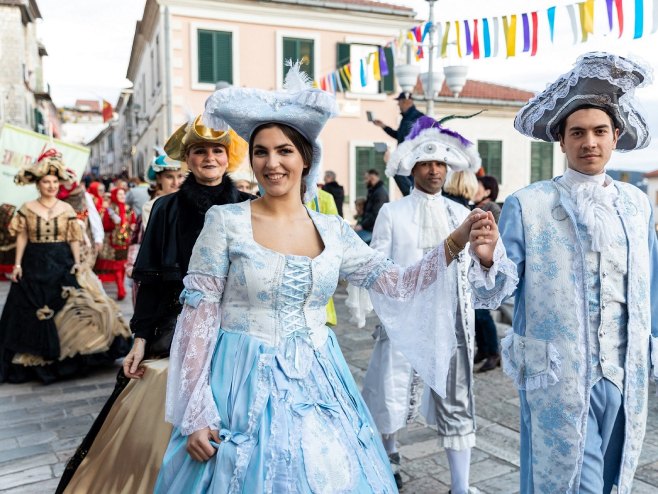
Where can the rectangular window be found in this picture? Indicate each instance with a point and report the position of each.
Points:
(299, 49)
(491, 153)
(367, 158)
(353, 54)
(541, 161)
(215, 56)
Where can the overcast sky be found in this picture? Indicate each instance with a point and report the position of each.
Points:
(89, 42)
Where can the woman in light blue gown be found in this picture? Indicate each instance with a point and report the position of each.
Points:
(259, 392)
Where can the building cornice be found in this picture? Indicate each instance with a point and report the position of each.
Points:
(292, 14)
(29, 9)
(144, 30)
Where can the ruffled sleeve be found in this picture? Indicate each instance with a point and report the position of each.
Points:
(416, 305)
(17, 224)
(73, 229)
(190, 405)
(490, 287)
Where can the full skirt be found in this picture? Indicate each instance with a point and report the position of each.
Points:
(283, 430)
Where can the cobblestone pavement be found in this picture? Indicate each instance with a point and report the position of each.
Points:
(40, 427)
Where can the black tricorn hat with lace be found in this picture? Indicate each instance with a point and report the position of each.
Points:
(598, 80)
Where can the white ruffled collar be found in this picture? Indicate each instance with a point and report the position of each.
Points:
(424, 195)
(594, 198)
(572, 178)
(431, 219)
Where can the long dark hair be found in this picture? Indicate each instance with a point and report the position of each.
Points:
(298, 140)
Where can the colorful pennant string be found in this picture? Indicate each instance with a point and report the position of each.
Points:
(620, 16)
(482, 37)
(574, 23)
(467, 37)
(444, 42)
(486, 39)
(535, 29)
(496, 36)
(383, 65)
(608, 6)
(459, 48)
(639, 19)
(476, 41)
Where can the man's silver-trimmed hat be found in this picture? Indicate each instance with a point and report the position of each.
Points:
(597, 80)
(428, 140)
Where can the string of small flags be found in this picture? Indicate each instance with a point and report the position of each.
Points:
(505, 35)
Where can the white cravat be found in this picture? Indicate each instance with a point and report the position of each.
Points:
(594, 201)
(431, 218)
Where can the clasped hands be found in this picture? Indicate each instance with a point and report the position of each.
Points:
(480, 229)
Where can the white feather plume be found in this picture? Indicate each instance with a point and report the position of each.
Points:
(296, 80)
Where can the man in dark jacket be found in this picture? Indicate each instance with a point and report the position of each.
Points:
(336, 190)
(409, 116)
(376, 198)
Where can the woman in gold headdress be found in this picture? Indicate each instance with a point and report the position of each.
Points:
(130, 432)
(35, 341)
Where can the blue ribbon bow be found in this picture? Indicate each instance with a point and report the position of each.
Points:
(233, 437)
(303, 408)
(191, 297)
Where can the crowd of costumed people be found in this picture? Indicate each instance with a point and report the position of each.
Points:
(232, 378)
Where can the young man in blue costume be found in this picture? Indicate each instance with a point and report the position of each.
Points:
(586, 316)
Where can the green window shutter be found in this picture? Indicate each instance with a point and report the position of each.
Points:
(387, 84)
(342, 58)
(491, 153)
(367, 158)
(223, 44)
(541, 161)
(206, 56)
(299, 49)
(342, 54)
(215, 56)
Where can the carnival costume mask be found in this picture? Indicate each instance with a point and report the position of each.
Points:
(298, 105)
(428, 140)
(598, 80)
(197, 133)
(48, 163)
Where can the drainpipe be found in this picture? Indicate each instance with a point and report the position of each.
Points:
(167, 74)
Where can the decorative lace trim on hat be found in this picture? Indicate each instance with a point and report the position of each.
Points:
(547, 99)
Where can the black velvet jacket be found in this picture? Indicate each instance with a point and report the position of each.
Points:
(174, 225)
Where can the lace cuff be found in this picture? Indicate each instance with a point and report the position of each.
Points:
(531, 363)
(190, 405)
(492, 286)
(417, 306)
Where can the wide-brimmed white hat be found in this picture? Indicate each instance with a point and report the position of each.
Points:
(298, 105)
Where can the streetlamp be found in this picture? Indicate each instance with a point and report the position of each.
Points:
(455, 75)
(430, 79)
